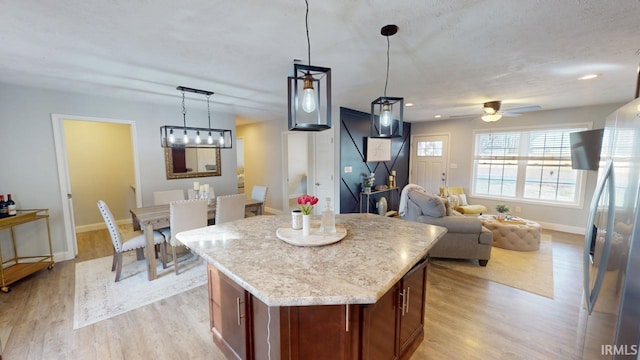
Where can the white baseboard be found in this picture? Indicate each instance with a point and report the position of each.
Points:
(273, 211)
(563, 228)
(99, 226)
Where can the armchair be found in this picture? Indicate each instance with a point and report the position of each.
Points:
(459, 201)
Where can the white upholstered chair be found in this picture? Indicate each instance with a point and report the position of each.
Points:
(166, 196)
(120, 245)
(163, 198)
(185, 215)
(230, 208)
(258, 192)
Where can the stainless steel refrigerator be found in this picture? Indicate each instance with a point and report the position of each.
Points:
(610, 313)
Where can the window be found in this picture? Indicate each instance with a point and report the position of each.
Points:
(429, 148)
(528, 164)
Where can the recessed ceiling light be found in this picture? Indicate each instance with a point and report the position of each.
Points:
(408, 104)
(589, 77)
(438, 116)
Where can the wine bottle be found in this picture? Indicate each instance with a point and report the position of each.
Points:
(11, 206)
(4, 210)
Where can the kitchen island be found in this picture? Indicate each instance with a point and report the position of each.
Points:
(360, 298)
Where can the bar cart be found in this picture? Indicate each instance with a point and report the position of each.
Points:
(18, 267)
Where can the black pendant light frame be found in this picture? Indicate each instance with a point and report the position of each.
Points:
(223, 140)
(395, 126)
(311, 77)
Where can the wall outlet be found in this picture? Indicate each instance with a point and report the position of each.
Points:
(518, 209)
(348, 169)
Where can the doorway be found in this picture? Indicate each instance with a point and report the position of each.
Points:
(295, 167)
(93, 167)
(430, 161)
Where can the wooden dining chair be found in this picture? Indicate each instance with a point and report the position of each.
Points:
(120, 245)
(185, 215)
(230, 208)
(258, 192)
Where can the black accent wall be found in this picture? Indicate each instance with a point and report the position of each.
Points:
(353, 138)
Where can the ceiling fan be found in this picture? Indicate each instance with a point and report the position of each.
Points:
(491, 111)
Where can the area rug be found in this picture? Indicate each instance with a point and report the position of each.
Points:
(99, 297)
(530, 271)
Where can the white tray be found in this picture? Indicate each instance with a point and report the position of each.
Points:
(315, 238)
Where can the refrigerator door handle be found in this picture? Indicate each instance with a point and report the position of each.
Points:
(591, 296)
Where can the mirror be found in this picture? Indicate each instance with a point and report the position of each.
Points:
(192, 162)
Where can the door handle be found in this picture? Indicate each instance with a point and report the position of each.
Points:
(69, 196)
(317, 184)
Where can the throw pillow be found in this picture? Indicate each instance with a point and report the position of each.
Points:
(463, 200)
(447, 206)
(430, 205)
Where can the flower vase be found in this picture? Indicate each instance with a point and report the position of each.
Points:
(306, 224)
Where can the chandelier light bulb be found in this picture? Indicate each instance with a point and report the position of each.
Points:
(185, 137)
(210, 139)
(385, 115)
(172, 139)
(308, 96)
(198, 140)
(221, 139)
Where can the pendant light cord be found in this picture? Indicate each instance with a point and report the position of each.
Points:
(386, 81)
(184, 113)
(306, 21)
(209, 112)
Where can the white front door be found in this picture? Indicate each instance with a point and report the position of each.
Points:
(430, 161)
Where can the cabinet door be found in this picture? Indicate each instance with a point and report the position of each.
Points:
(413, 290)
(318, 332)
(379, 340)
(229, 320)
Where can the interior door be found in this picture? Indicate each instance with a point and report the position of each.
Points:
(323, 169)
(430, 161)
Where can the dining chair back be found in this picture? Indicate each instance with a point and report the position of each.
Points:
(166, 196)
(185, 215)
(120, 245)
(230, 208)
(258, 192)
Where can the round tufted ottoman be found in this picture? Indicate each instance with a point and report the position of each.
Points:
(516, 234)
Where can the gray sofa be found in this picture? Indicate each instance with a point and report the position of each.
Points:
(466, 238)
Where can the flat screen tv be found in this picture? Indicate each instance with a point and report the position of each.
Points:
(585, 149)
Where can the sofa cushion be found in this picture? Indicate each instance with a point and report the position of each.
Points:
(430, 205)
(455, 224)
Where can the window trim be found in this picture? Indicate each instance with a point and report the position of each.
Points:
(582, 176)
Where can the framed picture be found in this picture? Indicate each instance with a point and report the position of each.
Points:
(378, 149)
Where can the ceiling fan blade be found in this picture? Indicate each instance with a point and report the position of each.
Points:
(470, 116)
(523, 109)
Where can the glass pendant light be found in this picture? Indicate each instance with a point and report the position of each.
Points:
(309, 93)
(191, 135)
(387, 112)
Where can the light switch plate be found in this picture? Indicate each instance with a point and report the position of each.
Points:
(348, 169)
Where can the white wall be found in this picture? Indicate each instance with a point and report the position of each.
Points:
(461, 154)
(29, 170)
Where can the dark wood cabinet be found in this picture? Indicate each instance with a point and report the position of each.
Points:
(245, 328)
(229, 315)
(413, 288)
(379, 323)
(394, 326)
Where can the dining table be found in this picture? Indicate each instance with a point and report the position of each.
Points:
(150, 218)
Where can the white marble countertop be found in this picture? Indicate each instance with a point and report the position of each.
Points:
(359, 269)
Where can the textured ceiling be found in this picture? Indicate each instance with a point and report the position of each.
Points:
(448, 56)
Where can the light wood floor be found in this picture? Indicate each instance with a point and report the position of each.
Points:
(466, 317)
